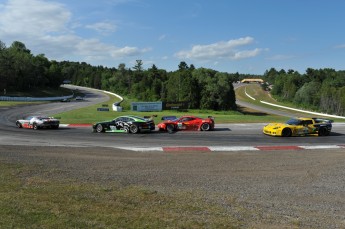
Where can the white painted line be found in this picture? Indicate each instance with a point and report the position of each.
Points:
(322, 147)
(141, 149)
(245, 91)
(232, 148)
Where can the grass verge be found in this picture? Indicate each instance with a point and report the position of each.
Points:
(255, 90)
(90, 114)
(29, 198)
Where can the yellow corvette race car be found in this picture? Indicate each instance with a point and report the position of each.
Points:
(299, 127)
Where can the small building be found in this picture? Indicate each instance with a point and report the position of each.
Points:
(252, 81)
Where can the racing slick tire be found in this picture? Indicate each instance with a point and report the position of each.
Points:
(134, 129)
(286, 132)
(323, 132)
(35, 126)
(19, 125)
(205, 127)
(99, 128)
(126, 129)
(170, 128)
(55, 126)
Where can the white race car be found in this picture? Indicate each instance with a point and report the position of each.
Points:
(38, 121)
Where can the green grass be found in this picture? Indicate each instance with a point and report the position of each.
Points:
(259, 94)
(243, 115)
(256, 91)
(31, 198)
(90, 114)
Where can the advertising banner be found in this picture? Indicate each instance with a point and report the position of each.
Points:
(146, 106)
(175, 105)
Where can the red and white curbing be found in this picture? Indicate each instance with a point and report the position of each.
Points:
(229, 148)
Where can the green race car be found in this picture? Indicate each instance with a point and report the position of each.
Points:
(124, 124)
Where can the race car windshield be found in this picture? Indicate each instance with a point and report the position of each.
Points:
(293, 122)
(43, 117)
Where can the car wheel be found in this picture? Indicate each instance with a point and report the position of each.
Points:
(99, 128)
(126, 129)
(55, 127)
(205, 126)
(286, 132)
(134, 129)
(322, 132)
(19, 125)
(34, 126)
(170, 128)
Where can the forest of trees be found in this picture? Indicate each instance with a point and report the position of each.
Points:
(201, 88)
(20, 70)
(321, 90)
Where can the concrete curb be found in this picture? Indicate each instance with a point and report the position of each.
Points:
(229, 148)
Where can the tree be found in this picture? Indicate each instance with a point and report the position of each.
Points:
(270, 75)
(182, 66)
(6, 66)
(308, 94)
(19, 47)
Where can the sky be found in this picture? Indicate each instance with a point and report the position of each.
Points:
(244, 36)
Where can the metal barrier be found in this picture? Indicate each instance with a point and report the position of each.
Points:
(33, 99)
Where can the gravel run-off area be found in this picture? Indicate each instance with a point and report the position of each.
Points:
(282, 189)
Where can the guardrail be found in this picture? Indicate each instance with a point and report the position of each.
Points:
(34, 99)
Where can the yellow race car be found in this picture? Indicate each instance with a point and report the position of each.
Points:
(299, 127)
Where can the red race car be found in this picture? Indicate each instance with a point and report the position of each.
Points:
(172, 123)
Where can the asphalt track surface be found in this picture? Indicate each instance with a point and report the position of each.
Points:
(225, 135)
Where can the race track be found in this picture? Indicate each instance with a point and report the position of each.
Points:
(225, 135)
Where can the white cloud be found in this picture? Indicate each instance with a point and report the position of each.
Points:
(125, 51)
(340, 46)
(246, 54)
(32, 17)
(221, 50)
(281, 57)
(162, 37)
(102, 27)
(48, 27)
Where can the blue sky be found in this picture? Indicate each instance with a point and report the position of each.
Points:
(245, 36)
